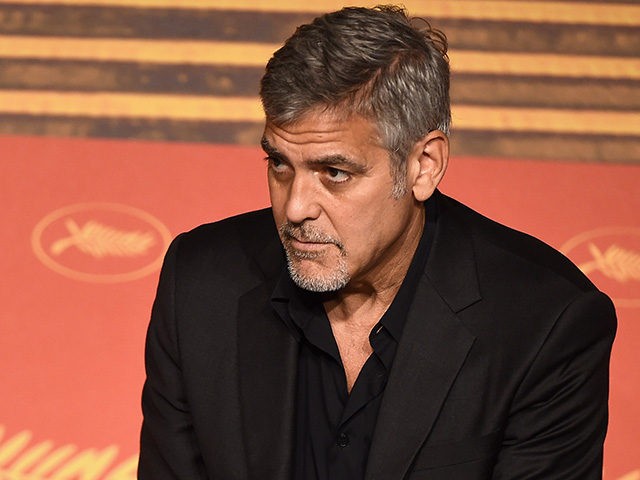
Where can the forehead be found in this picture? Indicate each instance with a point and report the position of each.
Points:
(322, 130)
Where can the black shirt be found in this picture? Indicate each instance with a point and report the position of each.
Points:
(334, 428)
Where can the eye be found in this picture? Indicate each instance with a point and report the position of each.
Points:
(337, 176)
(277, 165)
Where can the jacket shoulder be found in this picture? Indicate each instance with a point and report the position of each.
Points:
(231, 249)
(246, 229)
(505, 244)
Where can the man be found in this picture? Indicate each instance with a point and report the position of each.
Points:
(368, 326)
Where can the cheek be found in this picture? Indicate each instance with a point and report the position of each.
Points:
(272, 185)
(278, 199)
(373, 226)
(357, 227)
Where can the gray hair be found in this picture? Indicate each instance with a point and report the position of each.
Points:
(372, 62)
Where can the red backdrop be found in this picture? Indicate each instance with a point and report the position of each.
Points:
(87, 221)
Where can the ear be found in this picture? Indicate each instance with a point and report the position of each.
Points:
(428, 161)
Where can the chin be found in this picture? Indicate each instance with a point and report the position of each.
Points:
(316, 280)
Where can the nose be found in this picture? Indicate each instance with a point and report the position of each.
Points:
(302, 199)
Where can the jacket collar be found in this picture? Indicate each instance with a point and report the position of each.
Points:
(452, 266)
(267, 362)
(433, 348)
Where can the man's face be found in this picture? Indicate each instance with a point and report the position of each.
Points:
(331, 188)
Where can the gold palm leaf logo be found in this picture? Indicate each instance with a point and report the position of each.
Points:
(22, 460)
(112, 242)
(616, 263)
(611, 257)
(100, 241)
(635, 475)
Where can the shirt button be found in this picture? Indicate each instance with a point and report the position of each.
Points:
(343, 440)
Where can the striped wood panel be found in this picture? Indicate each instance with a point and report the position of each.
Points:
(531, 79)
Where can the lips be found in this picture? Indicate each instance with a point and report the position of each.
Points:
(306, 244)
(305, 241)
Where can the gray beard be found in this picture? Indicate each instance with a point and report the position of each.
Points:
(335, 280)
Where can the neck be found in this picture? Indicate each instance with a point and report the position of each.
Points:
(362, 303)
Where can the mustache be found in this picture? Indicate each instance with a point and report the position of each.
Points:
(307, 233)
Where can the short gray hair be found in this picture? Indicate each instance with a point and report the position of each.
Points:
(374, 62)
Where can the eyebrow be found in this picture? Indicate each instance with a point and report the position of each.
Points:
(338, 161)
(268, 148)
(335, 160)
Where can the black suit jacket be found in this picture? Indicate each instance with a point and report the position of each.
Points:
(501, 372)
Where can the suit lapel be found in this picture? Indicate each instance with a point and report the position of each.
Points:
(433, 348)
(267, 362)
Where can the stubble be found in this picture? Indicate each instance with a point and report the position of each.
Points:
(332, 278)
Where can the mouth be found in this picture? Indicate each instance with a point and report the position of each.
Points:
(306, 242)
(306, 245)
